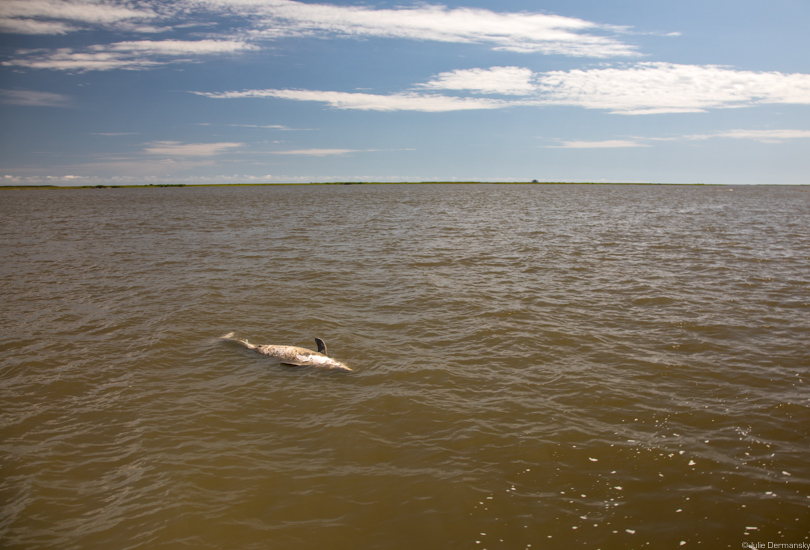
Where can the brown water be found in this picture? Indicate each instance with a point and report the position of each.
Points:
(536, 367)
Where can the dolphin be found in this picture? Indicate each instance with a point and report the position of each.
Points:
(295, 356)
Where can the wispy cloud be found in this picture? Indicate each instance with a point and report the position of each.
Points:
(66, 59)
(519, 32)
(179, 149)
(132, 55)
(495, 80)
(32, 98)
(62, 16)
(653, 88)
(639, 89)
(155, 174)
(607, 144)
(269, 20)
(329, 152)
(318, 152)
(180, 47)
(112, 169)
(33, 26)
(157, 158)
(266, 126)
(369, 102)
(764, 136)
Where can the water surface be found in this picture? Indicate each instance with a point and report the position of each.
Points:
(537, 366)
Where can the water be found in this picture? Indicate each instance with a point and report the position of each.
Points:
(536, 367)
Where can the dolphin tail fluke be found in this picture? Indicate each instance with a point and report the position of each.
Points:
(230, 338)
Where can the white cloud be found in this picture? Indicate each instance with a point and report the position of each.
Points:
(369, 102)
(179, 149)
(90, 11)
(32, 98)
(271, 19)
(495, 80)
(317, 152)
(132, 55)
(154, 174)
(265, 126)
(66, 59)
(643, 88)
(764, 136)
(179, 47)
(652, 88)
(49, 16)
(34, 26)
(607, 144)
(520, 32)
(141, 167)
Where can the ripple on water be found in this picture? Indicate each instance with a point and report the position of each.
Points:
(536, 366)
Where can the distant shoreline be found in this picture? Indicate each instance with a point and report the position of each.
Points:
(147, 186)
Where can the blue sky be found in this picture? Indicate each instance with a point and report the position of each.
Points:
(227, 91)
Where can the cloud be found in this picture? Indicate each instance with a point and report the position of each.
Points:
(518, 32)
(764, 136)
(31, 98)
(265, 20)
(330, 152)
(607, 144)
(179, 47)
(263, 126)
(34, 26)
(65, 59)
(132, 55)
(140, 167)
(319, 152)
(653, 88)
(496, 80)
(253, 23)
(643, 88)
(50, 16)
(369, 102)
(90, 11)
(179, 149)
(155, 175)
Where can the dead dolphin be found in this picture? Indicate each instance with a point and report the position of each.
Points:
(295, 356)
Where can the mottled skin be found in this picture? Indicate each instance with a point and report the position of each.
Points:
(295, 356)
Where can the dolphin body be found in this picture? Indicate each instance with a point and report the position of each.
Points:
(295, 356)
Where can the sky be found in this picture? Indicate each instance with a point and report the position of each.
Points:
(123, 92)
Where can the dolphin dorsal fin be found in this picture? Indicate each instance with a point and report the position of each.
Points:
(321, 345)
